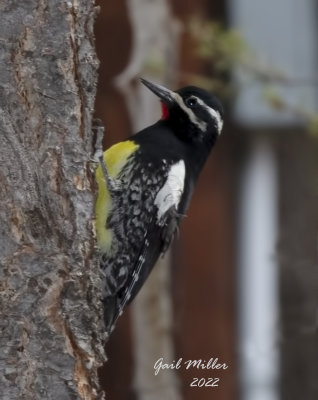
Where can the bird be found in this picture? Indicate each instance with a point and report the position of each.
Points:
(145, 184)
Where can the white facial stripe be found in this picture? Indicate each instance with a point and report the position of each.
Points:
(193, 118)
(170, 194)
(214, 114)
(219, 120)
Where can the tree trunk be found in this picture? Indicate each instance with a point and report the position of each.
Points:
(51, 329)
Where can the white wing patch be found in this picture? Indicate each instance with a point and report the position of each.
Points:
(170, 194)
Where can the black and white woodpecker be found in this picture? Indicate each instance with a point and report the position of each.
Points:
(144, 188)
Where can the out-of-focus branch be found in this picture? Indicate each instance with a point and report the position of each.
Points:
(225, 50)
(154, 55)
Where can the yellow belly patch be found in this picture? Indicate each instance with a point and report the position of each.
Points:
(115, 159)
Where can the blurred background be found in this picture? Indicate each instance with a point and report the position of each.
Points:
(240, 283)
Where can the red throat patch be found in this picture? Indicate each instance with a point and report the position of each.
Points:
(165, 111)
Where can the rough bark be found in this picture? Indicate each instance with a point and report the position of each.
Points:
(51, 329)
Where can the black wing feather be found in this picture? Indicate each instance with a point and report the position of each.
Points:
(138, 237)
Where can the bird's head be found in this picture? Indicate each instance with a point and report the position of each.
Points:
(193, 113)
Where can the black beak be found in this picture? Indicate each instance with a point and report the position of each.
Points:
(166, 95)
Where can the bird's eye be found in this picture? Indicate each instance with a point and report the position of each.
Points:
(191, 102)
